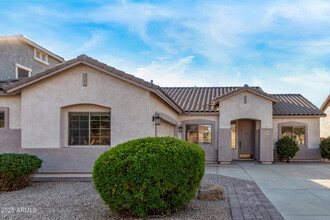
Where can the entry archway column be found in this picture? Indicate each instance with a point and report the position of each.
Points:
(266, 146)
(224, 146)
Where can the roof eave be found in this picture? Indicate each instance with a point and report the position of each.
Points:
(299, 116)
(325, 103)
(96, 65)
(33, 44)
(168, 101)
(21, 84)
(219, 99)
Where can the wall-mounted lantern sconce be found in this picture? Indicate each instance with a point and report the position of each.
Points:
(180, 128)
(157, 119)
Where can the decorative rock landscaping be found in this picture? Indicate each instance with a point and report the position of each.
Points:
(211, 192)
(79, 200)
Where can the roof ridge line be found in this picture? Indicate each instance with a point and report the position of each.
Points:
(93, 63)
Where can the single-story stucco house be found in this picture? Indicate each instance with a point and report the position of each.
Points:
(325, 121)
(72, 112)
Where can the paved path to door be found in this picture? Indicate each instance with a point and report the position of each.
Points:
(297, 190)
(247, 202)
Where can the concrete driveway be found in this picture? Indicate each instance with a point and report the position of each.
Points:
(297, 190)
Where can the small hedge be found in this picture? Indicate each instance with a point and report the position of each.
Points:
(149, 175)
(325, 148)
(16, 170)
(286, 149)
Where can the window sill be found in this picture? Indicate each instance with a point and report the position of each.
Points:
(87, 146)
(41, 61)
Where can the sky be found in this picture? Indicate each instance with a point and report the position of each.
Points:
(281, 46)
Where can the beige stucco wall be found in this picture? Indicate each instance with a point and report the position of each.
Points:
(211, 150)
(165, 129)
(313, 130)
(42, 103)
(14, 105)
(185, 117)
(325, 123)
(158, 105)
(257, 108)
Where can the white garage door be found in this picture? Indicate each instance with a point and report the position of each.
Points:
(165, 129)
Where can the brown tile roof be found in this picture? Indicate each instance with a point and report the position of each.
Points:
(186, 99)
(9, 87)
(199, 99)
(255, 91)
(295, 105)
(4, 83)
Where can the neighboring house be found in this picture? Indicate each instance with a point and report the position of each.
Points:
(71, 113)
(21, 57)
(325, 121)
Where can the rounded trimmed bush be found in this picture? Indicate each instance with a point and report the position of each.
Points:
(154, 175)
(16, 170)
(286, 149)
(325, 148)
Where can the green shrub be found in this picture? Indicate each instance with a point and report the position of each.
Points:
(286, 149)
(149, 175)
(16, 170)
(325, 148)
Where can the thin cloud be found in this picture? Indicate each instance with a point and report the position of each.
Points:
(273, 44)
(96, 39)
(167, 73)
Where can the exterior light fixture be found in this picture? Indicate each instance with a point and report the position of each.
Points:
(180, 128)
(157, 119)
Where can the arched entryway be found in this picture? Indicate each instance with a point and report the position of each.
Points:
(245, 136)
(249, 107)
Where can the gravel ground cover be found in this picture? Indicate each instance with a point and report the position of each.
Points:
(79, 200)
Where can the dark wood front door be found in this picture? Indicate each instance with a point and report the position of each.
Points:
(245, 139)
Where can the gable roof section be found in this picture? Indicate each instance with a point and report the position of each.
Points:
(33, 44)
(196, 99)
(295, 105)
(14, 86)
(325, 103)
(199, 100)
(182, 99)
(246, 88)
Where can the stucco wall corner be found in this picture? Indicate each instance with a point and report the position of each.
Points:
(266, 145)
(224, 150)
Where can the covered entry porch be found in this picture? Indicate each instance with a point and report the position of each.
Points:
(245, 125)
(245, 139)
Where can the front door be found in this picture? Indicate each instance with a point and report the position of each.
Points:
(245, 139)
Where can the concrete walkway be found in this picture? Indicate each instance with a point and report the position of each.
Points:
(297, 190)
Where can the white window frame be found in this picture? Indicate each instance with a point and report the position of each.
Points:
(38, 59)
(22, 67)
